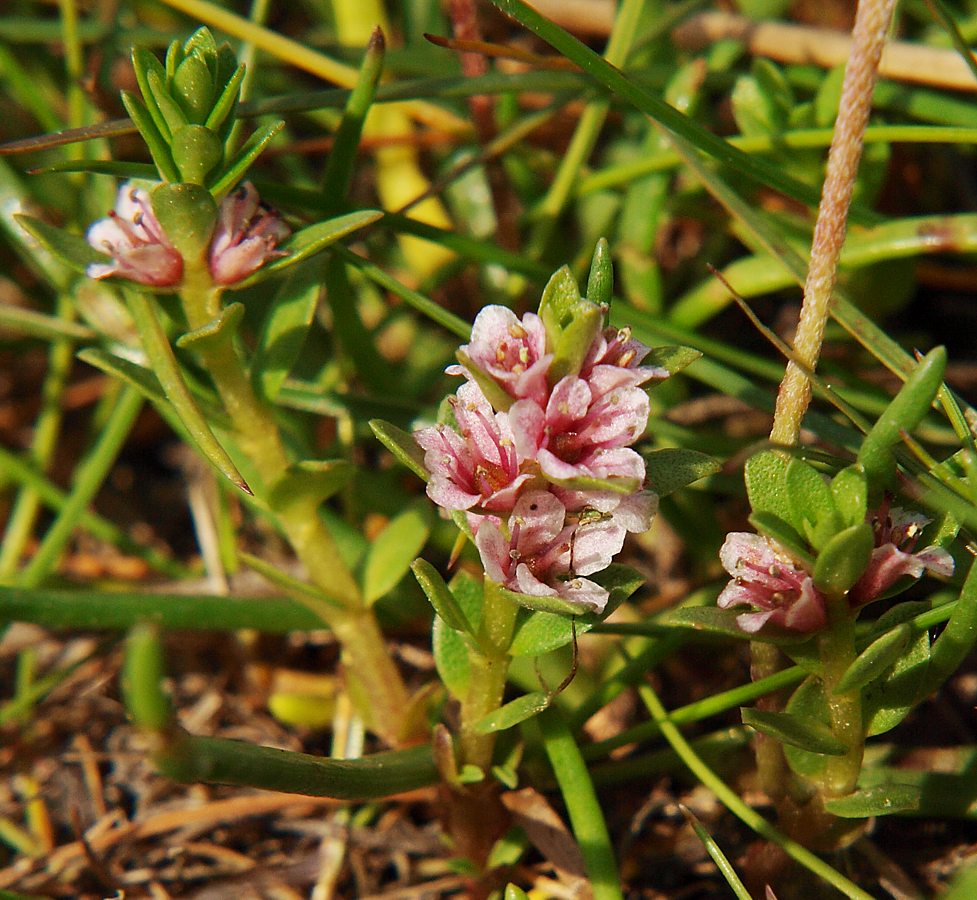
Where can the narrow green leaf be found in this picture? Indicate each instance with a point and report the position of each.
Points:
(798, 731)
(600, 282)
(716, 854)
(904, 413)
(882, 800)
(889, 699)
(221, 329)
(513, 713)
(843, 559)
(116, 168)
(310, 241)
(227, 102)
(157, 347)
(142, 680)
(311, 481)
(71, 249)
(143, 62)
(873, 661)
(958, 637)
(292, 586)
(440, 597)
(450, 646)
(285, 328)
(394, 549)
(402, 445)
(672, 468)
(168, 107)
(159, 149)
(141, 378)
(223, 761)
(234, 171)
(614, 485)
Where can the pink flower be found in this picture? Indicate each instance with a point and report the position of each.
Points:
(616, 349)
(547, 551)
(574, 435)
(246, 236)
(896, 534)
(476, 465)
(510, 351)
(780, 592)
(132, 236)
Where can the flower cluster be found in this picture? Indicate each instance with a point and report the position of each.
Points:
(783, 594)
(546, 475)
(245, 237)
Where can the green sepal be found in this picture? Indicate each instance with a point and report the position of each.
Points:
(308, 242)
(513, 713)
(252, 148)
(843, 559)
(811, 503)
(440, 596)
(71, 249)
(393, 550)
(310, 481)
(193, 89)
(672, 359)
(765, 475)
(798, 731)
(880, 800)
(600, 282)
(197, 151)
(158, 145)
(174, 56)
(217, 331)
(402, 445)
(186, 213)
(497, 397)
(784, 535)
(571, 323)
(903, 413)
(675, 467)
(873, 661)
(142, 680)
(849, 488)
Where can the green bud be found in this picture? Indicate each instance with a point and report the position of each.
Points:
(193, 89)
(600, 284)
(571, 322)
(187, 214)
(843, 560)
(196, 151)
(201, 44)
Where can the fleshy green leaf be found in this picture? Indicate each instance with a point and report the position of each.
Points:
(888, 700)
(904, 413)
(799, 731)
(812, 506)
(878, 656)
(244, 158)
(537, 633)
(440, 597)
(285, 328)
(843, 559)
(600, 282)
(881, 800)
(450, 647)
(513, 713)
(673, 468)
(72, 249)
(159, 149)
(402, 445)
(309, 241)
(766, 485)
(849, 488)
(394, 549)
(311, 481)
(617, 485)
(957, 638)
(221, 329)
(671, 359)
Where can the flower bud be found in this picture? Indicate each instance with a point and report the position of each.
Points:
(572, 323)
(196, 151)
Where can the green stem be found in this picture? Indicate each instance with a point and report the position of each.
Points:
(374, 678)
(489, 669)
(838, 652)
